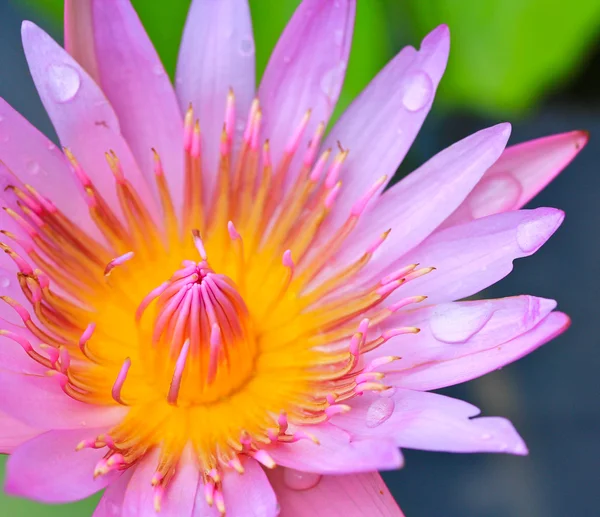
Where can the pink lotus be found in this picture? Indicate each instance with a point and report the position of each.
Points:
(223, 316)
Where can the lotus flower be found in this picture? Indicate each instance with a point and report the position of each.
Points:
(213, 307)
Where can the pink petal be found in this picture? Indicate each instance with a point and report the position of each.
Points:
(12, 356)
(139, 89)
(49, 469)
(111, 503)
(520, 173)
(336, 453)
(246, 495)
(79, 39)
(420, 202)
(83, 118)
(216, 54)
(457, 333)
(382, 123)
(40, 402)
(439, 374)
(178, 500)
(35, 160)
(354, 495)
(472, 256)
(306, 70)
(13, 433)
(432, 422)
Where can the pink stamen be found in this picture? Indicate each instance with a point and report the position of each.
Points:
(294, 142)
(266, 156)
(334, 171)
(215, 347)
(337, 409)
(199, 244)
(248, 131)
(230, 114)
(368, 377)
(233, 233)
(188, 129)
(148, 299)
(398, 274)
(282, 421)
(264, 458)
(64, 359)
(288, 261)
(115, 166)
(77, 169)
(178, 376)
(159, 493)
(118, 385)
(380, 361)
(256, 130)
(380, 240)
(86, 336)
(319, 167)
(236, 464)
(404, 302)
(209, 493)
(220, 502)
(332, 195)
(314, 144)
(359, 207)
(119, 261)
(158, 167)
(195, 148)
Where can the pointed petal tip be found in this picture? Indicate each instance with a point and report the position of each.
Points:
(441, 34)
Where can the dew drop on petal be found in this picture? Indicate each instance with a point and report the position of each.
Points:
(287, 59)
(379, 411)
(297, 480)
(532, 234)
(63, 81)
(33, 167)
(458, 322)
(4, 281)
(494, 194)
(486, 436)
(332, 80)
(158, 69)
(247, 46)
(418, 91)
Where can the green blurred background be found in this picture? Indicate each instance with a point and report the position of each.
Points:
(508, 58)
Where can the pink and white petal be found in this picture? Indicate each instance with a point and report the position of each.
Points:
(13, 433)
(40, 402)
(453, 332)
(353, 495)
(306, 71)
(216, 54)
(336, 453)
(82, 116)
(472, 256)
(79, 39)
(520, 173)
(35, 160)
(111, 503)
(48, 469)
(428, 421)
(439, 374)
(381, 124)
(178, 500)
(416, 206)
(250, 494)
(140, 91)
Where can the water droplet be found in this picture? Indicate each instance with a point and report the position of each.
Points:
(1, 118)
(458, 322)
(532, 234)
(158, 69)
(486, 436)
(33, 168)
(247, 46)
(63, 81)
(379, 411)
(287, 59)
(332, 80)
(338, 36)
(4, 281)
(418, 91)
(51, 146)
(297, 480)
(494, 194)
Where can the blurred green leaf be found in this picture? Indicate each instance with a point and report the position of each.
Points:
(506, 54)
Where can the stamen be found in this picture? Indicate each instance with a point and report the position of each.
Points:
(119, 261)
(179, 368)
(118, 385)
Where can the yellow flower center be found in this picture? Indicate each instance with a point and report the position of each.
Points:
(214, 329)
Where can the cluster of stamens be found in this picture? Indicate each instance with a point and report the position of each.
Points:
(192, 336)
